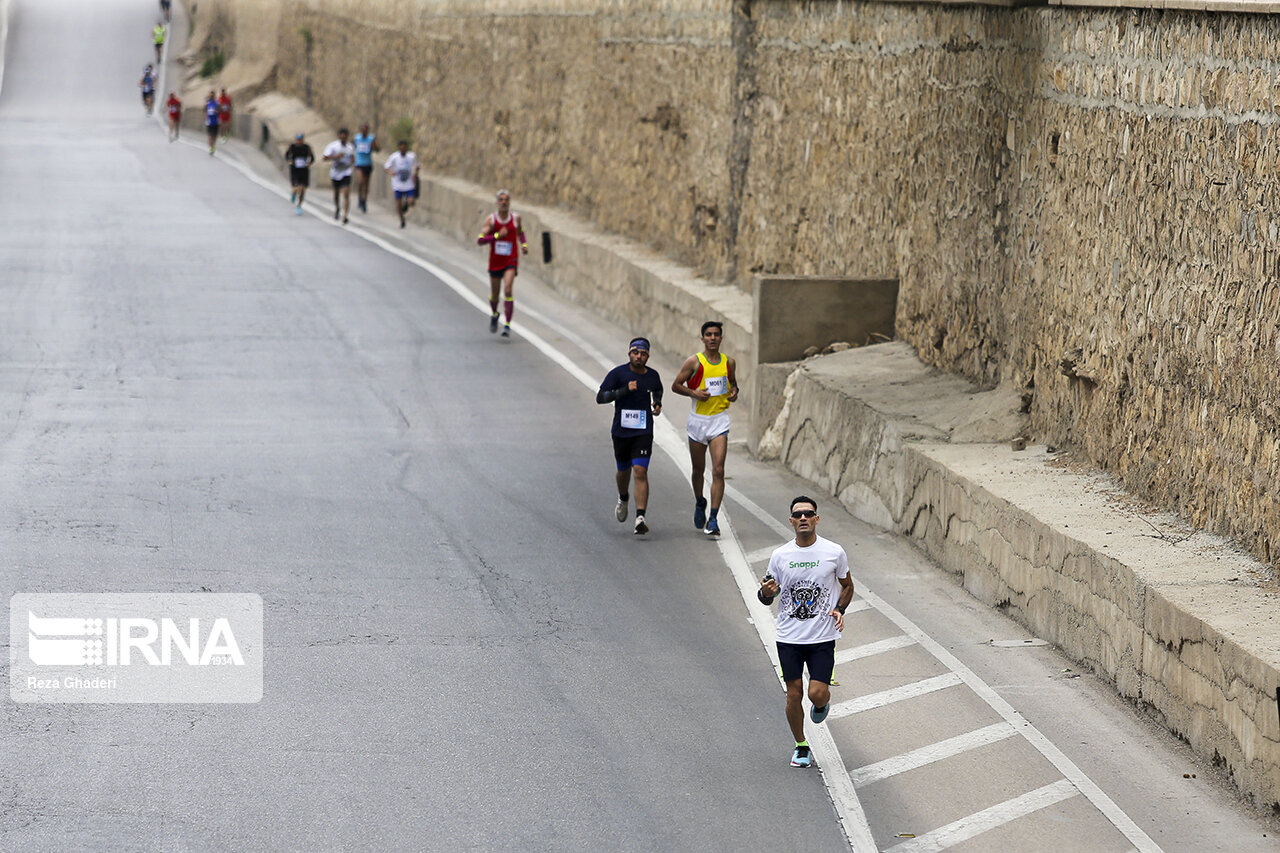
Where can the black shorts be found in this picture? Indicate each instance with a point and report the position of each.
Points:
(339, 183)
(147, 95)
(212, 129)
(498, 274)
(365, 170)
(299, 177)
(821, 658)
(631, 450)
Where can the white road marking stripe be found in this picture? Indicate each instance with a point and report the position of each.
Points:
(761, 554)
(872, 649)
(926, 755)
(857, 607)
(1141, 841)
(980, 822)
(896, 694)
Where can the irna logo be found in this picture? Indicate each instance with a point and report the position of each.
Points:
(63, 641)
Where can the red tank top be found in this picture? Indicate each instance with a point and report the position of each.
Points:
(504, 251)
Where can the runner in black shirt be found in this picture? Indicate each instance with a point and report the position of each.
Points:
(299, 156)
(636, 393)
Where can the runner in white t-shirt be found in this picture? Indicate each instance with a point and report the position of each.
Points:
(341, 155)
(812, 575)
(402, 166)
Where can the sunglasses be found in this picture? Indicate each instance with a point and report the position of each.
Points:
(804, 513)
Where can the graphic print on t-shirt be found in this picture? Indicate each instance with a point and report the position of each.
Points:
(806, 600)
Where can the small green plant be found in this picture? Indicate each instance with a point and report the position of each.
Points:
(402, 128)
(213, 63)
(307, 38)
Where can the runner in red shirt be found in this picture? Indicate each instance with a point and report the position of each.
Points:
(501, 231)
(175, 115)
(224, 113)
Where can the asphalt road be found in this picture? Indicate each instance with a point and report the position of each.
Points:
(464, 651)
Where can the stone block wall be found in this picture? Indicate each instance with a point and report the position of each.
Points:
(1076, 202)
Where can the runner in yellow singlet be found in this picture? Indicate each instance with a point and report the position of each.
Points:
(710, 378)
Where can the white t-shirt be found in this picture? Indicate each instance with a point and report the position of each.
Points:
(808, 589)
(402, 167)
(346, 162)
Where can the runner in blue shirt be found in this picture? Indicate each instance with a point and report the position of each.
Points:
(635, 390)
(366, 146)
(148, 86)
(211, 119)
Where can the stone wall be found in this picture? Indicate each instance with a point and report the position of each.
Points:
(1074, 201)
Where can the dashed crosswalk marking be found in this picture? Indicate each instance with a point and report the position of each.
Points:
(927, 755)
(872, 649)
(850, 707)
(987, 819)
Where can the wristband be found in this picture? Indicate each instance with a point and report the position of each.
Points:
(765, 600)
(841, 608)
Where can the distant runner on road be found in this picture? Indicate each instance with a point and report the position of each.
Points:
(710, 378)
(812, 575)
(366, 146)
(157, 36)
(402, 166)
(224, 113)
(635, 389)
(341, 155)
(148, 86)
(501, 231)
(299, 156)
(174, 106)
(211, 120)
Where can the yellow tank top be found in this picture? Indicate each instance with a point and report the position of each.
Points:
(714, 378)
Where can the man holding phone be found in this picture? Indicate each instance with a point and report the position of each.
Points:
(812, 576)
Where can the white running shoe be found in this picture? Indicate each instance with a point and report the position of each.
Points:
(620, 511)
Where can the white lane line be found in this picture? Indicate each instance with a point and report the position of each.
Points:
(4, 36)
(934, 752)
(979, 822)
(761, 554)
(872, 649)
(1141, 842)
(897, 694)
(674, 443)
(857, 606)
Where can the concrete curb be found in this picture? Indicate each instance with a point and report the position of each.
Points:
(1186, 628)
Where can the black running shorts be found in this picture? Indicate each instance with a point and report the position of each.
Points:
(299, 177)
(820, 657)
(632, 450)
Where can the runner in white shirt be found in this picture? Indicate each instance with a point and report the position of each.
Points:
(402, 166)
(812, 574)
(341, 155)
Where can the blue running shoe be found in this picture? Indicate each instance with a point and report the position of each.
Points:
(713, 527)
(800, 758)
(819, 714)
(700, 513)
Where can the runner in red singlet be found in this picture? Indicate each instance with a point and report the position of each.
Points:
(501, 231)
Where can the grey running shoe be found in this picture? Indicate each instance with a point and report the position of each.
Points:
(620, 511)
(493, 324)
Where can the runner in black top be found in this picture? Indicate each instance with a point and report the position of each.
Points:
(636, 393)
(299, 156)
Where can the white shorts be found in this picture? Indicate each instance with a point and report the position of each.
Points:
(703, 428)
